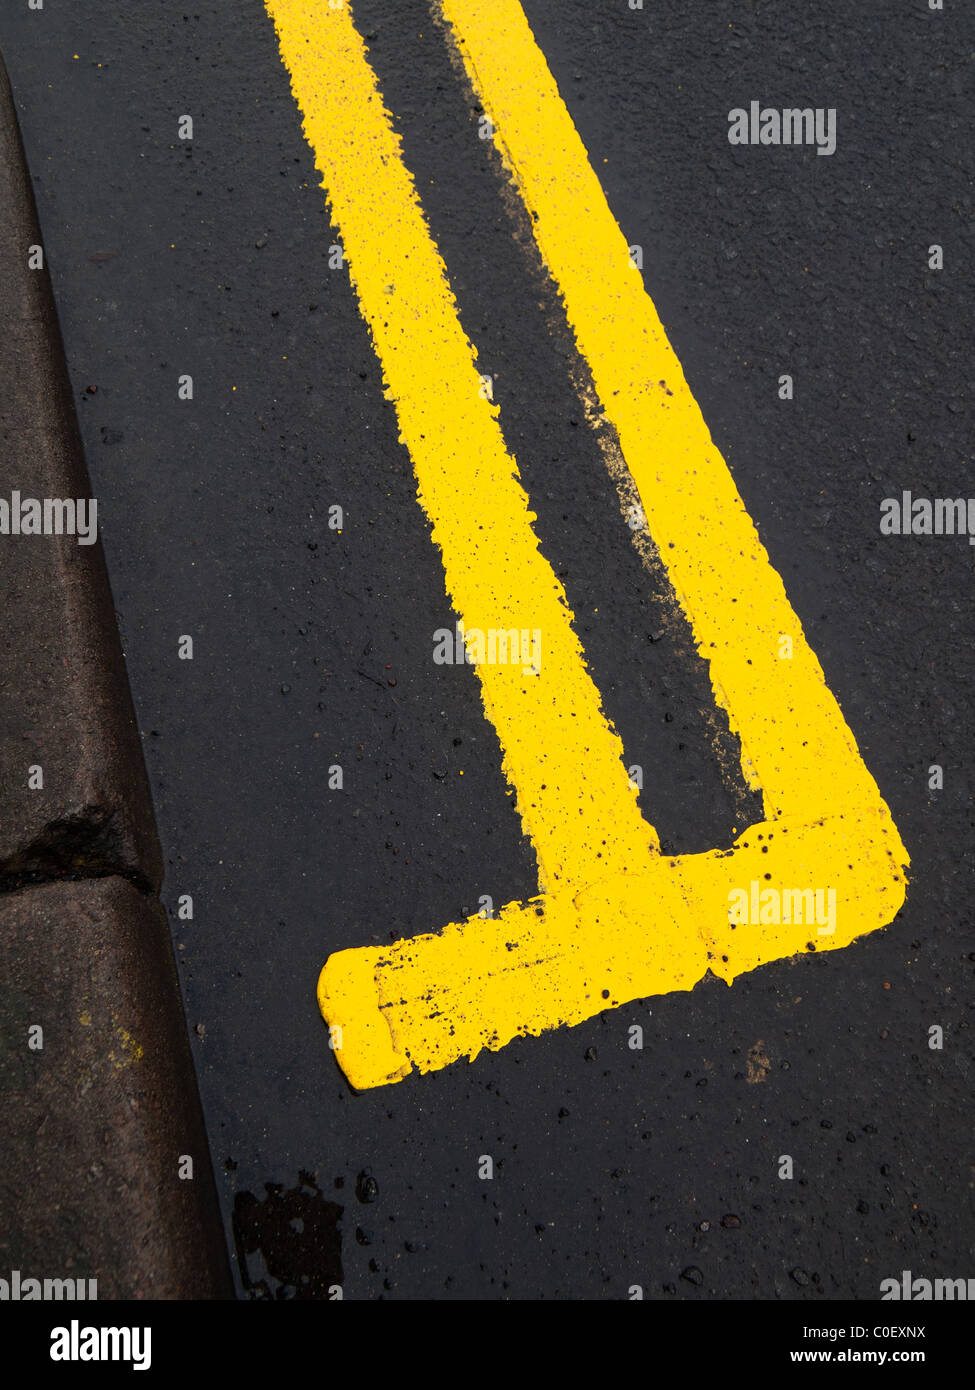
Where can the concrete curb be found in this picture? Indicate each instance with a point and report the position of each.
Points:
(64, 700)
(100, 1117)
(103, 1116)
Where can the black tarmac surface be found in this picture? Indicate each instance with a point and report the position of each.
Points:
(211, 258)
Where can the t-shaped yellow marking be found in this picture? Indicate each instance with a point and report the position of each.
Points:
(615, 920)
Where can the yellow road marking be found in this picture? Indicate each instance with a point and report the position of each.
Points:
(790, 725)
(614, 921)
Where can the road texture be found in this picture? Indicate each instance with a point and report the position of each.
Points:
(312, 646)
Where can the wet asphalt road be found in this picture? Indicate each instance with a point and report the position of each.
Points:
(613, 1167)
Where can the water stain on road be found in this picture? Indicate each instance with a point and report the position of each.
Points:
(288, 1242)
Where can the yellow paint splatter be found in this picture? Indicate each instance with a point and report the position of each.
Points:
(129, 1051)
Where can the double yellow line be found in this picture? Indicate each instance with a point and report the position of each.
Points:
(614, 920)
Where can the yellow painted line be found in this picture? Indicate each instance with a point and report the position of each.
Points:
(614, 920)
(790, 726)
(573, 792)
(560, 753)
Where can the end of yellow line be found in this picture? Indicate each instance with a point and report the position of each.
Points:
(359, 1033)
